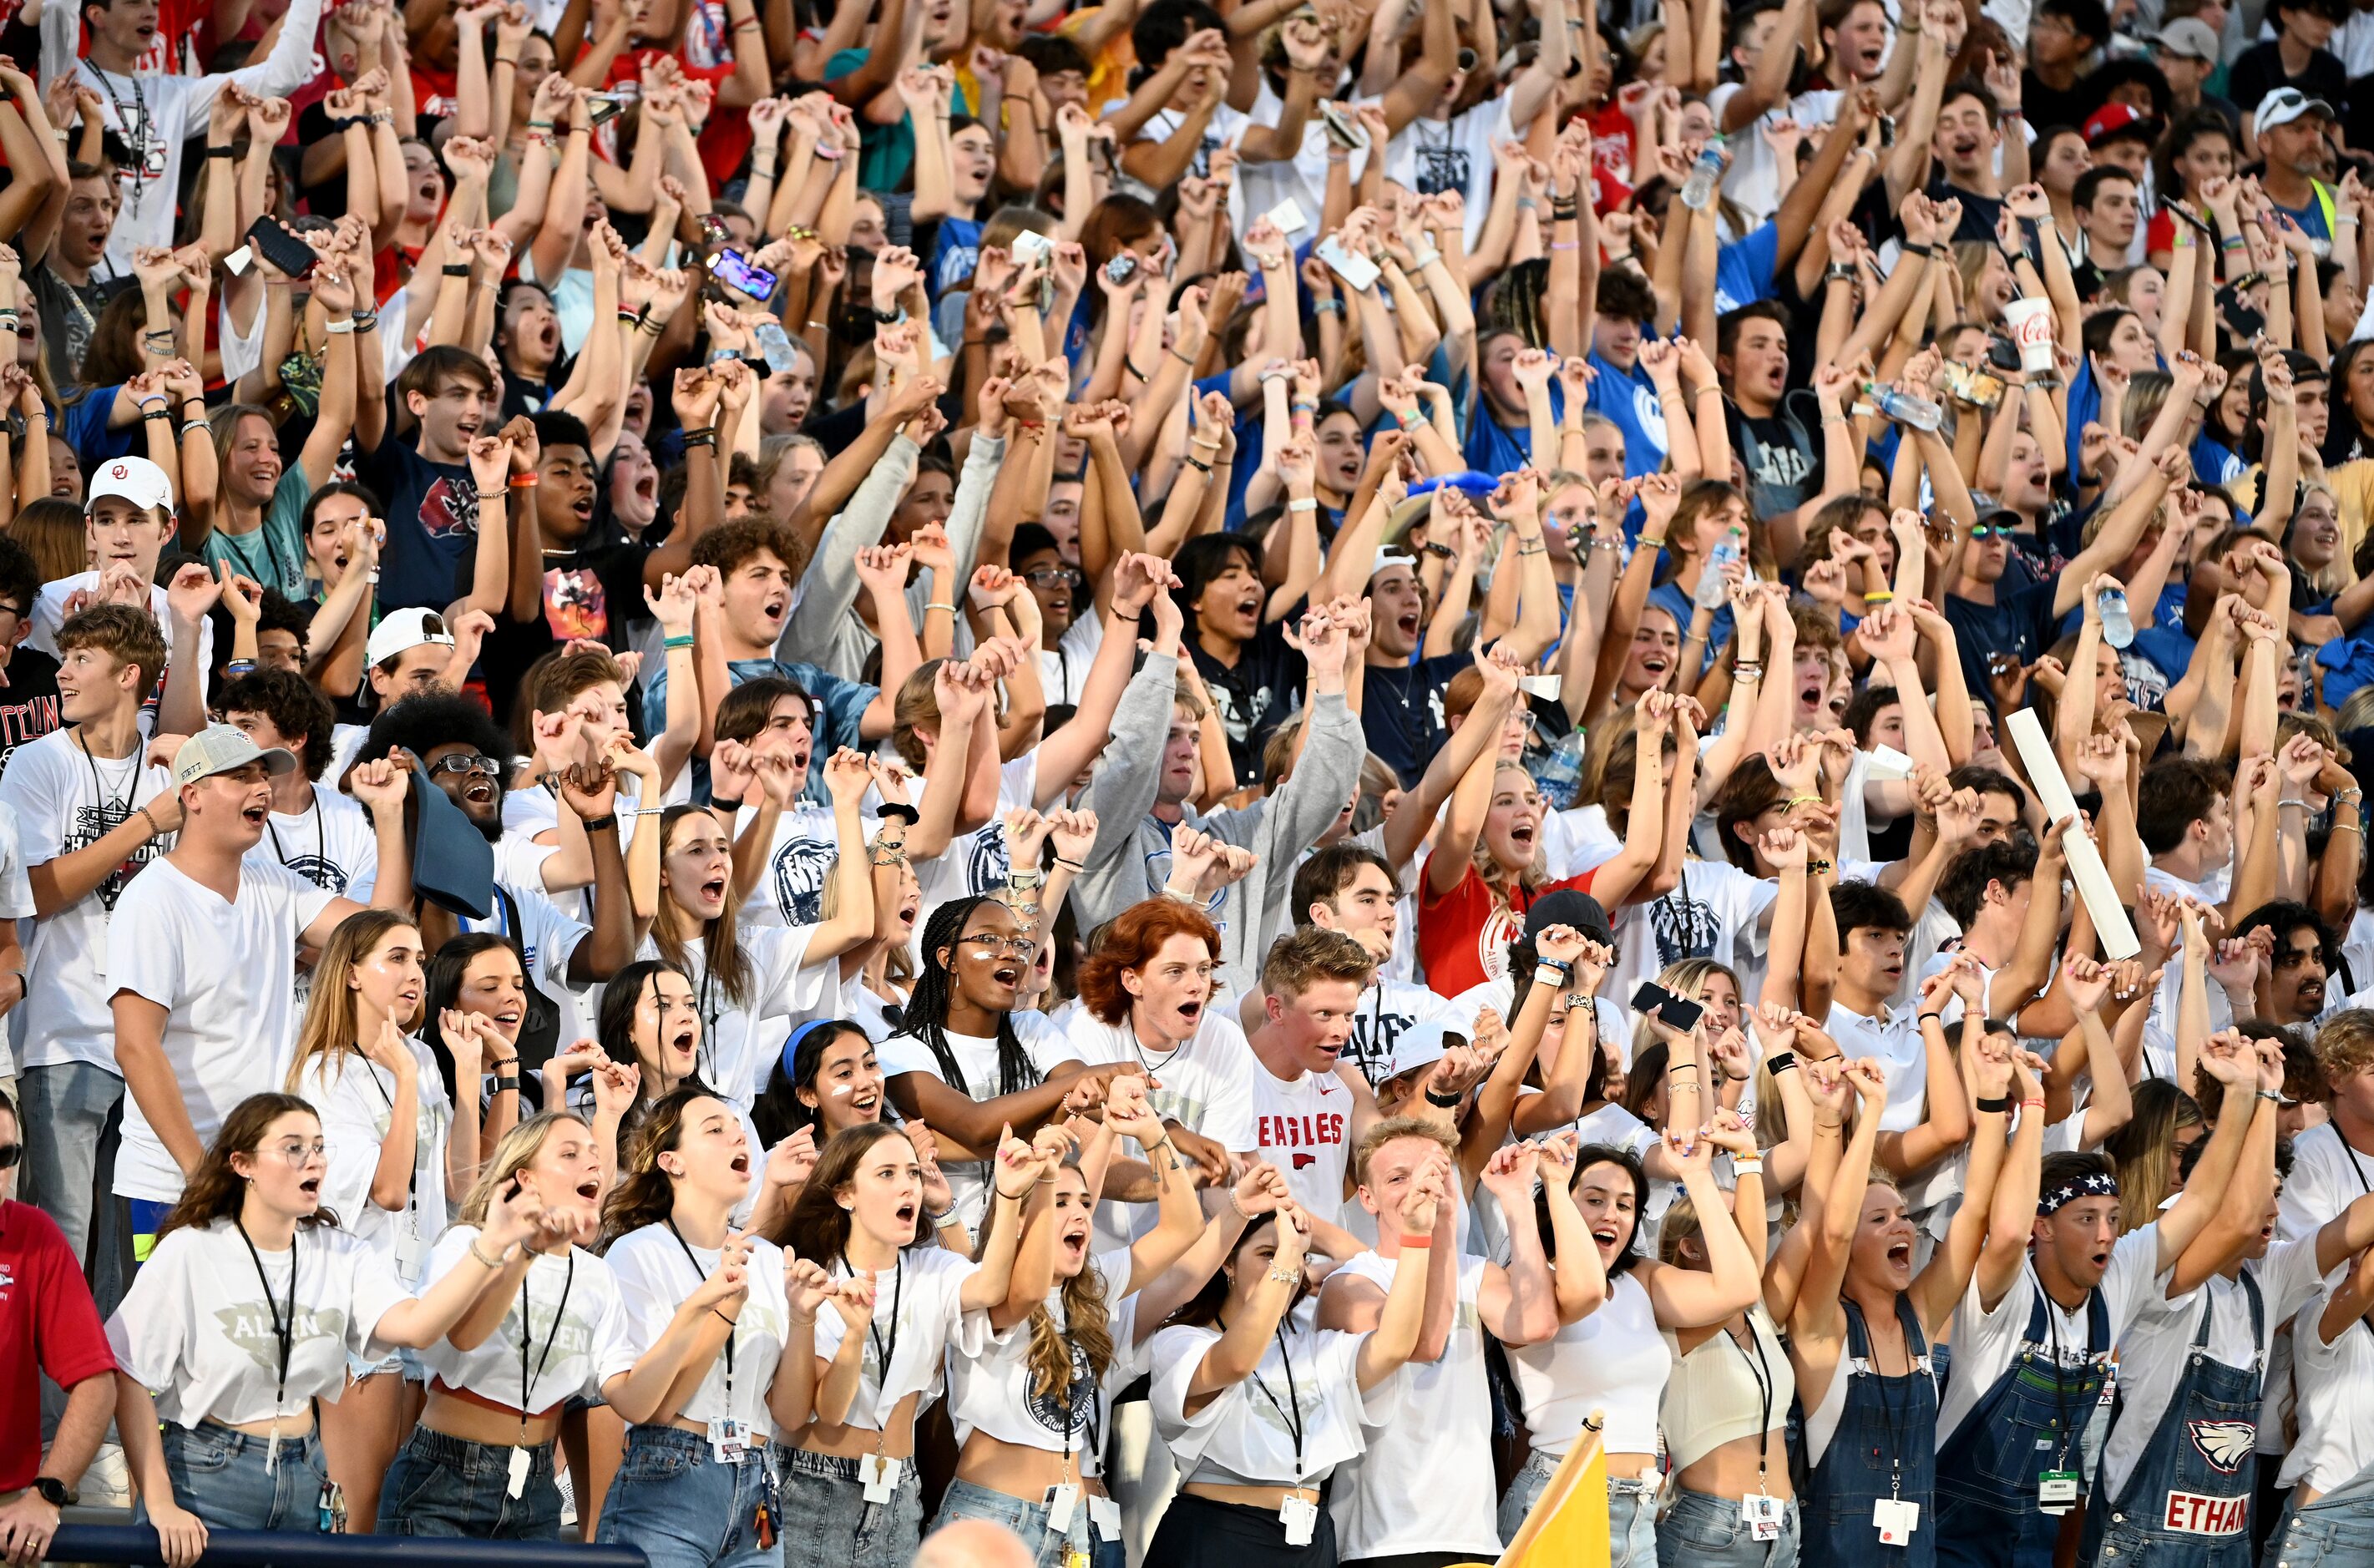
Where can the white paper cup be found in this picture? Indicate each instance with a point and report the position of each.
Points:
(2031, 327)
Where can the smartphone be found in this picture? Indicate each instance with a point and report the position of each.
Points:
(776, 344)
(1358, 272)
(1123, 267)
(1887, 130)
(1287, 217)
(281, 247)
(734, 269)
(2003, 353)
(600, 108)
(1650, 997)
(1341, 129)
(1675, 1012)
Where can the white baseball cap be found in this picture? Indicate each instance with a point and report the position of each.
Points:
(221, 748)
(2284, 105)
(136, 479)
(400, 631)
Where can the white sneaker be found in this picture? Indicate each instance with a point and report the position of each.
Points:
(108, 1483)
(567, 1497)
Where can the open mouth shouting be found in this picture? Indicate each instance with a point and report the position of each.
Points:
(1073, 1245)
(905, 1215)
(777, 605)
(740, 1163)
(866, 1102)
(680, 1050)
(1899, 1257)
(312, 1188)
(589, 1190)
(1609, 1237)
(1008, 975)
(910, 907)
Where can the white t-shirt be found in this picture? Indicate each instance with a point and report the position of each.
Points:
(1388, 1010)
(570, 1311)
(1241, 1436)
(1722, 919)
(1205, 1085)
(355, 1098)
(976, 1057)
(1063, 669)
(732, 1054)
(197, 1329)
(49, 607)
(1986, 1343)
(225, 972)
(15, 900)
(1456, 155)
(2336, 1418)
(2327, 1177)
(995, 1392)
(799, 862)
(48, 787)
(656, 1271)
(2153, 1353)
(331, 844)
(977, 861)
(918, 1318)
(1425, 1483)
(1304, 1127)
(547, 939)
(1303, 177)
(1753, 183)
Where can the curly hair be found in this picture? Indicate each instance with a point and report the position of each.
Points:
(1130, 943)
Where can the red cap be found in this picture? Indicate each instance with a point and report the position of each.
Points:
(2114, 120)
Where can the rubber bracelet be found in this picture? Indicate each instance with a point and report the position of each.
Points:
(1999, 1102)
(523, 481)
(949, 608)
(1434, 1099)
(153, 830)
(460, 270)
(596, 824)
(1416, 1244)
(673, 642)
(1302, 504)
(2271, 1094)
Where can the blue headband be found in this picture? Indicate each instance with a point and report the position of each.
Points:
(2094, 1183)
(791, 1046)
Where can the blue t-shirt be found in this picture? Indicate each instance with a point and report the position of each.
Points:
(1495, 448)
(955, 249)
(85, 428)
(1742, 270)
(1630, 399)
(1669, 597)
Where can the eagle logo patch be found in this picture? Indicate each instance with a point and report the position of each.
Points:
(2225, 1444)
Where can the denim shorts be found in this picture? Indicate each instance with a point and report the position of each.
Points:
(1028, 1520)
(673, 1499)
(219, 1475)
(449, 1486)
(1701, 1531)
(828, 1524)
(1631, 1511)
(2335, 1532)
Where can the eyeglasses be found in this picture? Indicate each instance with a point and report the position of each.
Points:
(299, 1153)
(1052, 577)
(1012, 946)
(465, 762)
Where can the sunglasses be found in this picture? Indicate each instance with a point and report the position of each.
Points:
(1983, 532)
(9, 1155)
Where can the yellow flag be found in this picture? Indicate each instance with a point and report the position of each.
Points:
(1567, 1525)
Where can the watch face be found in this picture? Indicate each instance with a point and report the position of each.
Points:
(53, 1491)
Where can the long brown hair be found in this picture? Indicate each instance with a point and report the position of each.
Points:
(217, 1191)
(817, 1226)
(330, 1027)
(672, 929)
(1089, 1329)
(644, 1194)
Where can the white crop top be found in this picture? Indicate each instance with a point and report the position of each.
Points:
(1242, 1436)
(656, 1272)
(1613, 1361)
(917, 1320)
(197, 1329)
(573, 1329)
(1723, 1391)
(994, 1391)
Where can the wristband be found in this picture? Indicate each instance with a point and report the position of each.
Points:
(196, 425)
(683, 641)
(719, 803)
(1434, 1099)
(2271, 1094)
(451, 270)
(1795, 801)
(1416, 1244)
(523, 481)
(476, 1252)
(1780, 1061)
(1331, 306)
(1999, 1102)
(164, 413)
(506, 1082)
(942, 1218)
(1932, 1018)
(1646, 543)
(1746, 1164)
(1411, 420)
(240, 667)
(1070, 865)
(365, 321)
(341, 328)
(2037, 1102)
(596, 824)
(1203, 467)
(1302, 504)
(1549, 976)
(1882, 597)
(949, 608)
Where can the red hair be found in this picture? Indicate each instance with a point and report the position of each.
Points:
(1133, 939)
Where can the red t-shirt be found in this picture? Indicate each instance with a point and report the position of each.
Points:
(48, 1325)
(1463, 936)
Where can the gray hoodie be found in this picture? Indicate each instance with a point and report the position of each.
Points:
(1131, 859)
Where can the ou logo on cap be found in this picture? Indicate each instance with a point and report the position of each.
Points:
(119, 472)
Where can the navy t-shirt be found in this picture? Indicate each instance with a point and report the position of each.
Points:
(1401, 709)
(2018, 624)
(432, 524)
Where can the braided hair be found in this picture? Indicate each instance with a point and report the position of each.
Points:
(925, 1016)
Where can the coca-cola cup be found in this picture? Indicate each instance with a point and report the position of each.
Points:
(2031, 328)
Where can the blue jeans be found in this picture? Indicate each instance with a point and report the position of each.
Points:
(219, 1475)
(1028, 1520)
(828, 1524)
(2332, 1532)
(1701, 1531)
(673, 1499)
(1632, 1512)
(74, 1122)
(449, 1486)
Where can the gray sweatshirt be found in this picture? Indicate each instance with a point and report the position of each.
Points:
(1131, 859)
(824, 629)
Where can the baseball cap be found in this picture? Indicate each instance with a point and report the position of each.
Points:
(2284, 105)
(2190, 37)
(219, 748)
(1567, 907)
(1423, 1044)
(400, 631)
(136, 479)
(2114, 120)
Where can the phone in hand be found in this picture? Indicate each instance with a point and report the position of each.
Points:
(1675, 1012)
(599, 107)
(1123, 267)
(1357, 272)
(280, 246)
(736, 271)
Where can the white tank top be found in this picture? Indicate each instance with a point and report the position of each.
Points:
(1727, 1390)
(1613, 1361)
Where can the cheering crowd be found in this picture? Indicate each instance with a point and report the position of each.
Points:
(1154, 785)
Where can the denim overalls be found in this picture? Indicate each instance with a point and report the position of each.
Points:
(2187, 1504)
(1885, 1447)
(2030, 1421)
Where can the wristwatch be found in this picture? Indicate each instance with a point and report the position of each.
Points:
(53, 1491)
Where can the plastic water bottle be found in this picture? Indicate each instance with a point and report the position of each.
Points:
(1559, 775)
(1903, 407)
(1698, 188)
(1711, 590)
(2118, 626)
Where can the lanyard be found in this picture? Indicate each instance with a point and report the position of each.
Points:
(708, 1029)
(528, 1382)
(321, 843)
(2060, 1372)
(2354, 1165)
(1292, 1409)
(884, 1351)
(1887, 1411)
(1761, 1370)
(283, 1329)
(412, 1183)
(703, 1275)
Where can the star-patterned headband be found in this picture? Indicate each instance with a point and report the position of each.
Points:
(2095, 1184)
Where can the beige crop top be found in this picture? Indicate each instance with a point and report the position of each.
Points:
(1718, 1392)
